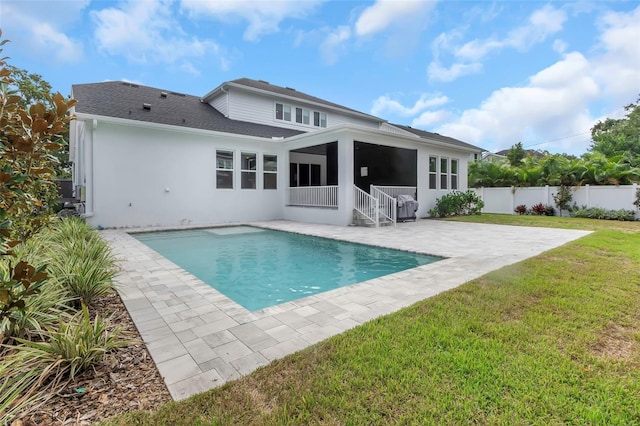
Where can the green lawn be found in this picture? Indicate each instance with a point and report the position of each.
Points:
(551, 340)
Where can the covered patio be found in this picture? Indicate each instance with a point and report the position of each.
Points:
(349, 174)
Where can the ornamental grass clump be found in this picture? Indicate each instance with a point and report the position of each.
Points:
(78, 344)
(83, 264)
(34, 370)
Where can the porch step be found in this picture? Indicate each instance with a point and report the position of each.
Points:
(361, 220)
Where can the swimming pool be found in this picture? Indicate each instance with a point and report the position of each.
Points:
(258, 268)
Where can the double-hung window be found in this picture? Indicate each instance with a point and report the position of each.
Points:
(444, 173)
(283, 112)
(224, 169)
(454, 174)
(270, 174)
(302, 116)
(319, 119)
(433, 172)
(248, 163)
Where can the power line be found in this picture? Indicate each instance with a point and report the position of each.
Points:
(559, 139)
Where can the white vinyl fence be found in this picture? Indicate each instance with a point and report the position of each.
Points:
(610, 197)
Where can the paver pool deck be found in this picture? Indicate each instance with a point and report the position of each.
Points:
(200, 339)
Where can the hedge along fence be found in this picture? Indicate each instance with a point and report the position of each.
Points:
(610, 197)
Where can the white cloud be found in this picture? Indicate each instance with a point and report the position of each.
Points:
(263, 17)
(146, 31)
(384, 104)
(617, 64)
(385, 13)
(559, 46)
(541, 24)
(40, 31)
(333, 44)
(430, 118)
(437, 72)
(552, 105)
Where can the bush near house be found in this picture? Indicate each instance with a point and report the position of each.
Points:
(457, 203)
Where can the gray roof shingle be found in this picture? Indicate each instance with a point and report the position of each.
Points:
(438, 137)
(125, 100)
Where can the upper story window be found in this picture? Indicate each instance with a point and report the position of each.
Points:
(287, 112)
(283, 112)
(319, 119)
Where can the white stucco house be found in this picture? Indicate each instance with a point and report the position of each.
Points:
(247, 151)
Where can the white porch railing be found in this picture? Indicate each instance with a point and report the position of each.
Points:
(366, 205)
(313, 196)
(387, 205)
(394, 191)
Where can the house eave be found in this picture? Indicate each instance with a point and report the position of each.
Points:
(171, 128)
(361, 131)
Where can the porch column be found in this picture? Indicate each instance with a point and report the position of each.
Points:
(345, 177)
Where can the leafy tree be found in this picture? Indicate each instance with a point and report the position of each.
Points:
(30, 134)
(562, 198)
(615, 137)
(33, 89)
(516, 154)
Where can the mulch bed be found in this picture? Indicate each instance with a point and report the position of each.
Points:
(126, 380)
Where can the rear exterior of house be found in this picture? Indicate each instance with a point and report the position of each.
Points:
(247, 151)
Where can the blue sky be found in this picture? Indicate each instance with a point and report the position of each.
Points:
(488, 73)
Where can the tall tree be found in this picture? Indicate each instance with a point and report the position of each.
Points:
(619, 137)
(516, 154)
(33, 89)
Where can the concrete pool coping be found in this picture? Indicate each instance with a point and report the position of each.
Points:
(200, 339)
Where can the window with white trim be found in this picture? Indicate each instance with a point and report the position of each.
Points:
(270, 171)
(433, 172)
(224, 169)
(319, 119)
(283, 112)
(248, 163)
(454, 173)
(302, 116)
(444, 173)
(286, 112)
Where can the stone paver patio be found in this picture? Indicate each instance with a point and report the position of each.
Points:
(200, 339)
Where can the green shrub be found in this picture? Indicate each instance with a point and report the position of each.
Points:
(600, 213)
(549, 210)
(457, 203)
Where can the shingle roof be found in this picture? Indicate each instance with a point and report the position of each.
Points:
(437, 137)
(125, 100)
(288, 91)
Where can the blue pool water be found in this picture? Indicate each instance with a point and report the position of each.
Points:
(258, 268)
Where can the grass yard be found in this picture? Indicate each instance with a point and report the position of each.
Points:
(551, 340)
